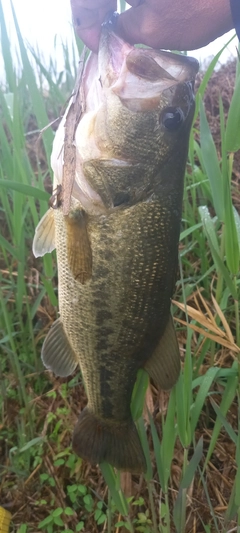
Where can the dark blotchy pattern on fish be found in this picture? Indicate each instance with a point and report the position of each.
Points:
(116, 320)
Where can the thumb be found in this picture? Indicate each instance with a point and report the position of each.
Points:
(145, 24)
(140, 25)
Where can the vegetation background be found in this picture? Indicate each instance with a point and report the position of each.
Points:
(191, 436)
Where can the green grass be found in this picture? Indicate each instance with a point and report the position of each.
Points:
(194, 431)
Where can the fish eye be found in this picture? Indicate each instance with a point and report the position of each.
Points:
(172, 118)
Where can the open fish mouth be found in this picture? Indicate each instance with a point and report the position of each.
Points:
(136, 75)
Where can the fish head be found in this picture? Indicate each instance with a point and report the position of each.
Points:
(139, 106)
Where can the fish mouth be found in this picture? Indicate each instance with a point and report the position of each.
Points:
(116, 56)
(133, 72)
(138, 76)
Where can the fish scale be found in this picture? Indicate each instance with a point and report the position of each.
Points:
(130, 313)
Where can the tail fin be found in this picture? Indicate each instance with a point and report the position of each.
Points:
(97, 440)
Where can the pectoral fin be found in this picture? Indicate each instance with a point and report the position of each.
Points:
(78, 246)
(164, 364)
(57, 353)
(44, 238)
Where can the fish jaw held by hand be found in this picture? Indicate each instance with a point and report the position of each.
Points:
(117, 247)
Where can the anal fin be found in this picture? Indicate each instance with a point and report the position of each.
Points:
(57, 353)
(164, 364)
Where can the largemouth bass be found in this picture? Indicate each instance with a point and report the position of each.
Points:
(117, 245)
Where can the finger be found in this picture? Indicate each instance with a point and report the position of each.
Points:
(96, 4)
(140, 25)
(90, 37)
(88, 22)
(91, 4)
(135, 3)
(86, 17)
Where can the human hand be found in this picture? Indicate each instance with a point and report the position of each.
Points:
(88, 15)
(169, 24)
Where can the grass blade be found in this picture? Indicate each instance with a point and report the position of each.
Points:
(233, 121)
(227, 399)
(211, 164)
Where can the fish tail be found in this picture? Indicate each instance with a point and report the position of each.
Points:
(98, 440)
